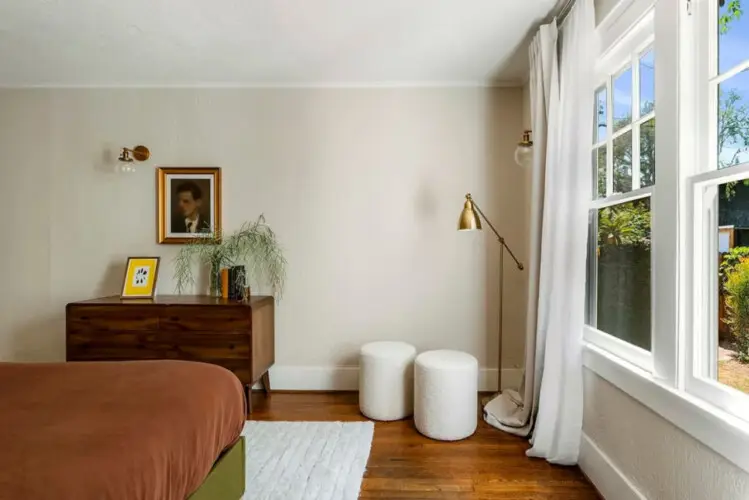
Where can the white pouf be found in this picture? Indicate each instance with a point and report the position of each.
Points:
(386, 380)
(446, 394)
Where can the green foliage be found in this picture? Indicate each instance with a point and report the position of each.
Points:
(732, 13)
(623, 152)
(733, 126)
(731, 259)
(625, 224)
(254, 245)
(736, 289)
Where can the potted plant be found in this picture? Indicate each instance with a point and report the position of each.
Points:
(253, 245)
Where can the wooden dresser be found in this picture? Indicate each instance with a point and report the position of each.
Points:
(236, 335)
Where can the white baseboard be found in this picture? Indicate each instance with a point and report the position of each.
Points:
(346, 378)
(604, 474)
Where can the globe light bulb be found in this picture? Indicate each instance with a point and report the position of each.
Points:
(523, 155)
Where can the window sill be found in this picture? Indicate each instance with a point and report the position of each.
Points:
(722, 432)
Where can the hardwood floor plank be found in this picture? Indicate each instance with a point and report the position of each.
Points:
(404, 465)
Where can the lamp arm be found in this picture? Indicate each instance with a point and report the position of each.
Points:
(499, 237)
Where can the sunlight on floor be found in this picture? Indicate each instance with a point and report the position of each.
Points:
(734, 374)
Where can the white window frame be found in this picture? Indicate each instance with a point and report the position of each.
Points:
(624, 54)
(680, 130)
(703, 180)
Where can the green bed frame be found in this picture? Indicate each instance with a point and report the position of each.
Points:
(226, 480)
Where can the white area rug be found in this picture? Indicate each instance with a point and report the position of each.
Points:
(306, 460)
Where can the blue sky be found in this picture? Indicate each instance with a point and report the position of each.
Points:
(733, 48)
(623, 92)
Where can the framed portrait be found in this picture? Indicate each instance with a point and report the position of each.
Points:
(141, 274)
(189, 203)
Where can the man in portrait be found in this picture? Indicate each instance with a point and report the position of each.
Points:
(188, 215)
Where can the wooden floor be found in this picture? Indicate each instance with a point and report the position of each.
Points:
(404, 464)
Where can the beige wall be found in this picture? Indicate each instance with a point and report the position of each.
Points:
(363, 186)
(661, 461)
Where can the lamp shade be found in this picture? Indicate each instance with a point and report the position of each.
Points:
(469, 218)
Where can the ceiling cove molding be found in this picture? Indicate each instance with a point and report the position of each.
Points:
(279, 85)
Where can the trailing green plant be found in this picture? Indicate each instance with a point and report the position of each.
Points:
(253, 245)
(736, 289)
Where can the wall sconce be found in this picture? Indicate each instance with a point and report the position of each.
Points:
(524, 151)
(128, 156)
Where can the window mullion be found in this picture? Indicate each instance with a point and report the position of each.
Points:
(669, 21)
(635, 121)
(609, 139)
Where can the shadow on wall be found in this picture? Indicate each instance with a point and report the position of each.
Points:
(506, 204)
(111, 282)
(426, 203)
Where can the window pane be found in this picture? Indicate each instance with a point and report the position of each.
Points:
(733, 121)
(599, 172)
(647, 83)
(623, 163)
(732, 352)
(623, 272)
(647, 153)
(733, 29)
(623, 99)
(601, 115)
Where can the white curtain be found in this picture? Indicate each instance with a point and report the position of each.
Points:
(562, 102)
(508, 411)
(564, 241)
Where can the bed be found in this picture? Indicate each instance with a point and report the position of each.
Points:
(137, 430)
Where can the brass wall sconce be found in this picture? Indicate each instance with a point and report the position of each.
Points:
(128, 156)
(524, 151)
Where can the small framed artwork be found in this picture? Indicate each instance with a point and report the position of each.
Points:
(189, 203)
(140, 278)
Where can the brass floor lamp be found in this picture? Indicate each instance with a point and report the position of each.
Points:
(470, 221)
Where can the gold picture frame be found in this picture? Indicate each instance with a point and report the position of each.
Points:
(188, 203)
(141, 276)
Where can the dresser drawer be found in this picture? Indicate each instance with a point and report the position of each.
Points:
(192, 346)
(127, 318)
(204, 319)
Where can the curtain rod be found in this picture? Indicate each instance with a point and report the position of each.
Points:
(564, 12)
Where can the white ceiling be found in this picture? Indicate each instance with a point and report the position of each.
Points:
(263, 42)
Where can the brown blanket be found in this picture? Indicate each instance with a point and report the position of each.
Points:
(119, 430)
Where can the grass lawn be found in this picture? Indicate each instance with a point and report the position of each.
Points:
(734, 374)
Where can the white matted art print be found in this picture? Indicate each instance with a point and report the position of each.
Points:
(189, 203)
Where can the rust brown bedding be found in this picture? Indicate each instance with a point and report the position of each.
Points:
(119, 430)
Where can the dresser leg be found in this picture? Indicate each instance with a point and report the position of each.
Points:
(248, 397)
(266, 382)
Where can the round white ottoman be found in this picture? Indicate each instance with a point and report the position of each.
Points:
(386, 380)
(446, 394)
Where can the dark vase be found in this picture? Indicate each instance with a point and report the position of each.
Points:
(237, 282)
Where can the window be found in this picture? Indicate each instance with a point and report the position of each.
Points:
(668, 275)
(717, 367)
(624, 173)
